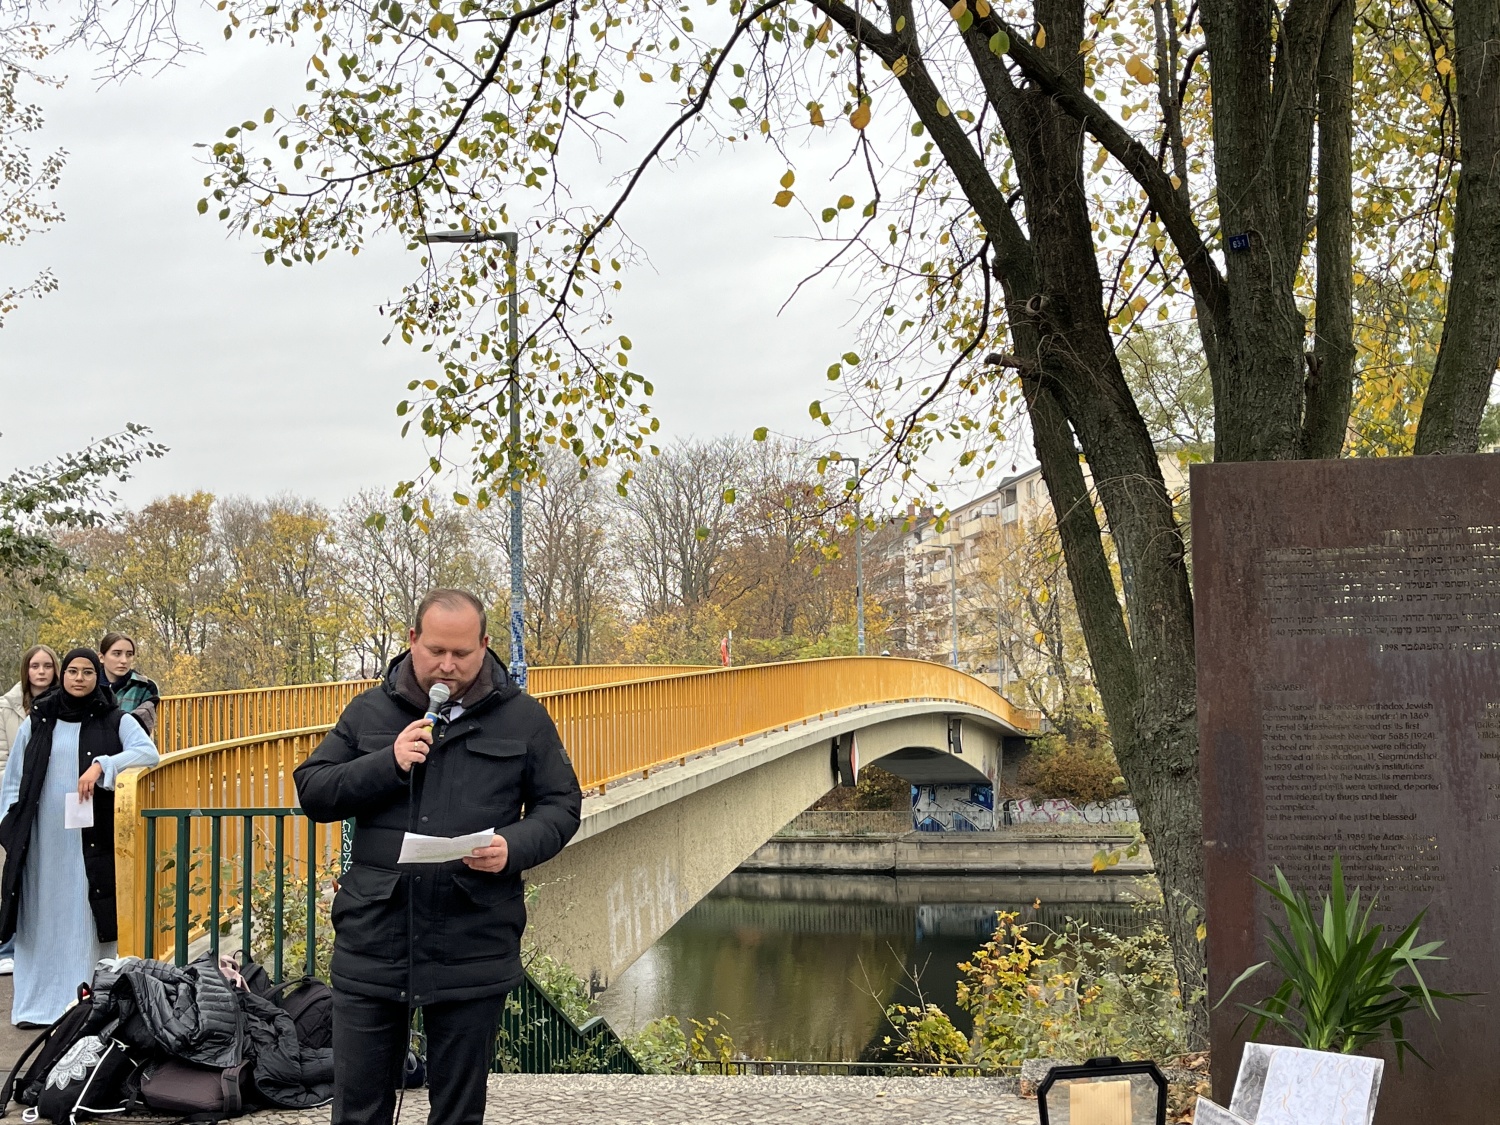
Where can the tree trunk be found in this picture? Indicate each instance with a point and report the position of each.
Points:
(1470, 348)
(1262, 157)
(1155, 733)
(1055, 309)
(1330, 381)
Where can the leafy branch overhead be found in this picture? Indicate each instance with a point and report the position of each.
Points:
(69, 492)
(1029, 192)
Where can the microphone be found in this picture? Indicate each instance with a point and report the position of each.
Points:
(437, 695)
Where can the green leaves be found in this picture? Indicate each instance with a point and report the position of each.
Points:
(999, 43)
(1342, 988)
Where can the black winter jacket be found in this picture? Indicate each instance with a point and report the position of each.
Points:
(195, 1014)
(426, 933)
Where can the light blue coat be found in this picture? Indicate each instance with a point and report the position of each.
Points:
(57, 945)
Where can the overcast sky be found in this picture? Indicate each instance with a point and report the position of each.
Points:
(262, 378)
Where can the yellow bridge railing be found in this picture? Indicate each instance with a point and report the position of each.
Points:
(187, 721)
(617, 721)
(622, 730)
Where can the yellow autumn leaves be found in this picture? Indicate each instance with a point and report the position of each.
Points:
(786, 195)
(1136, 67)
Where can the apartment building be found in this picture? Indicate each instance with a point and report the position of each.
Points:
(944, 590)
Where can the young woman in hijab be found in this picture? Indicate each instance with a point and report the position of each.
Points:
(38, 673)
(57, 893)
(134, 693)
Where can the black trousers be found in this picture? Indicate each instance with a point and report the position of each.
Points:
(369, 1050)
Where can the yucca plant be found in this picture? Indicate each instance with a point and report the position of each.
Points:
(1342, 987)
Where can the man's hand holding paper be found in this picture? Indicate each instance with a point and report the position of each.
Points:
(416, 848)
(492, 858)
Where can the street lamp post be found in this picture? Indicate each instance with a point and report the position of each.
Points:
(859, 555)
(952, 550)
(508, 239)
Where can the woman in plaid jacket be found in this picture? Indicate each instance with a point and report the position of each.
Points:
(134, 693)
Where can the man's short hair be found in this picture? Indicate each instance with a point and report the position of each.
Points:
(450, 597)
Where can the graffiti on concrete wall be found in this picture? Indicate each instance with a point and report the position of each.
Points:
(952, 808)
(641, 906)
(1058, 811)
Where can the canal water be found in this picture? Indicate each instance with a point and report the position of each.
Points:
(802, 966)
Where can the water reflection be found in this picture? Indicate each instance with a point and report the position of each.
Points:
(802, 966)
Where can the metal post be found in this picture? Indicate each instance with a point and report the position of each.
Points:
(247, 882)
(859, 556)
(149, 947)
(859, 561)
(278, 932)
(180, 929)
(510, 240)
(310, 934)
(215, 851)
(517, 540)
(953, 597)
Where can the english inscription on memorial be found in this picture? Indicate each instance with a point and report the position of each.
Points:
(1348, 642)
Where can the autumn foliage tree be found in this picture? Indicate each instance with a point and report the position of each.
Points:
(1035, 179)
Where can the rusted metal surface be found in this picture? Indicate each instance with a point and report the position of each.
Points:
(1348, 646)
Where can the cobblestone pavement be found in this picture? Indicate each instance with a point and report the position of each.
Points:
(571, 1099)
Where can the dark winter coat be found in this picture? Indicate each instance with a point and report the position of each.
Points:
(190, 1013)
(425, 933)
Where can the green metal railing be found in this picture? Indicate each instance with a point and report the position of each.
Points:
(535, 1035)
(183, 888)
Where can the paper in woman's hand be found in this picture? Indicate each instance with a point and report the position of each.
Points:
(442, 849)
(77, 812)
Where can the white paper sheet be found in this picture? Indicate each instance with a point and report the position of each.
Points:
(442, 849)
(1307, 1086)
(77, 813)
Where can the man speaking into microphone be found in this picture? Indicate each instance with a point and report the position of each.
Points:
(408, 756)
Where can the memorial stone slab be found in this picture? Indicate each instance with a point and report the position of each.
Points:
(1348, 649)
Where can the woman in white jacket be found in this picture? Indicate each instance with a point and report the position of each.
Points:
(38, 673)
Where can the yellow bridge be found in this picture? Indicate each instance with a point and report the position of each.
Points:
(686, 770)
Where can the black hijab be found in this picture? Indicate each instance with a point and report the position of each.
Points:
(56, 703)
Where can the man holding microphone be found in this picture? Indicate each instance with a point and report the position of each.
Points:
(443, 937)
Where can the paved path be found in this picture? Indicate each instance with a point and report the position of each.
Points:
(12, 1039)
(572, 1099)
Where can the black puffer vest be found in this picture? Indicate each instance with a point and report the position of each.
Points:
(97, 738)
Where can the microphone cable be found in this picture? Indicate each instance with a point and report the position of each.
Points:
(437, 697)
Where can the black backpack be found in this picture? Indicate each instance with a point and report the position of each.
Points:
(28, 1077)
(310, 1004)
(95, 1076)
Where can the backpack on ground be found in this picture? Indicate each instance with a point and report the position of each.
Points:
(197, 1093)
(95, 1077)
(310, 1004)
(256, 979)
(29, 1076)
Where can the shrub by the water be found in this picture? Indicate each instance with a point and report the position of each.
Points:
(1077, 993)
(877, 790)
(1081, 769)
